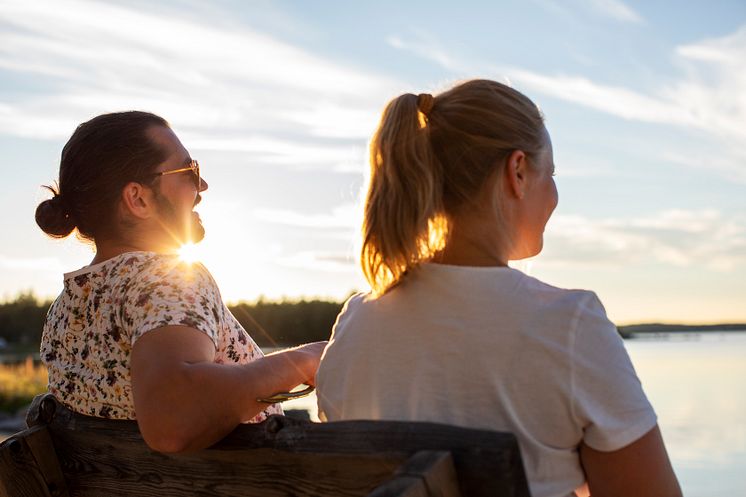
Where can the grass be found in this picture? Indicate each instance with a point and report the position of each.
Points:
(20, 383)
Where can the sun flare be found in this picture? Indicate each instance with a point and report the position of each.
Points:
(189, 252)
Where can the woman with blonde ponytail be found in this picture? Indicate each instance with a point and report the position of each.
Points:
(460, 184)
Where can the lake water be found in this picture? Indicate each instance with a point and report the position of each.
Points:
(697, 384)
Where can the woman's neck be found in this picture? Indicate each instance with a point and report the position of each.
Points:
(471, 244)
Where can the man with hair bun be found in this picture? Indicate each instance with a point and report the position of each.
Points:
(139, 334)
(461, 183)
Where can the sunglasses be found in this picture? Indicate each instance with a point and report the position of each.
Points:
(193, 167)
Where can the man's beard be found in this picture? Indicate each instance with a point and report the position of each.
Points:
(182, 233)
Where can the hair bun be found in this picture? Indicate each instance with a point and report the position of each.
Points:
(53, 217)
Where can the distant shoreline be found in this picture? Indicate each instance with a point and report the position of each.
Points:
(630, 331)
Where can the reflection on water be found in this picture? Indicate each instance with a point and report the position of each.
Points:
(696, 382)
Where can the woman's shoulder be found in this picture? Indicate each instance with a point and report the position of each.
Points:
(356, 301)
(548, 294)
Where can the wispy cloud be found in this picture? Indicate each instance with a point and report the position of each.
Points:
(426, 46)
(220, 84)
(43, 264)
(709, 97)
(331, 262)
(615, 100)
(673, 237)
(342, 217)
(615, 9)
(264, 149)
(714, 89)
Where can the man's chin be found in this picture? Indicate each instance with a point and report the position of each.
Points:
(197, 231)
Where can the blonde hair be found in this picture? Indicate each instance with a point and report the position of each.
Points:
(428, 159)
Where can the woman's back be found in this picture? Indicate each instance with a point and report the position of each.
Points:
(490, 348)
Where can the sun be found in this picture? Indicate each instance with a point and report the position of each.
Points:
(191, 253)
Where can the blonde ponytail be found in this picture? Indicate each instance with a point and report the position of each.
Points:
(429, 158)
(404, 195)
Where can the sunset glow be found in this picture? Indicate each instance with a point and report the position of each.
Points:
(190, 252)
(645, 112)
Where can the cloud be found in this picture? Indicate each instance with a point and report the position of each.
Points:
(615, 100)
(714, 89)
(709, 97)
(427, 47)
(43, 264)
(674, 237)
(729, 161)
(227, 87)
(334, 262)
(615, 9)
(264, 149)
(342, 217)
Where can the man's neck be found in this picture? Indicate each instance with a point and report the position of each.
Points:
(105, 250)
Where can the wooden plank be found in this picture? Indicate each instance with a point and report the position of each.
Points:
(42, 410)
(426, 473)
(487, 463)
(40, 443)
(95, 469)
(281, 456)
(20, 475)
(436, 470)
(402, 486)
(92, 458)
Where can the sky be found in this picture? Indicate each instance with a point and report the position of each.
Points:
(645, 103)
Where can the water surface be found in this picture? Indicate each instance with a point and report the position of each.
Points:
(697, 384)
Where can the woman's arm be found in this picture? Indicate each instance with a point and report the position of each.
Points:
(184, 401)
(642, 469)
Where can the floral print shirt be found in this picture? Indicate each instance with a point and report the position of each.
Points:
(104, 308)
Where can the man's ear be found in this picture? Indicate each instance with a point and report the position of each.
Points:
(516, 173)
(138, 200)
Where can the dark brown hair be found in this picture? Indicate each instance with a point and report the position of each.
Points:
(99, 159)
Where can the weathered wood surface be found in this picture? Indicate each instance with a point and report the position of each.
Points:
(426, 473)
(280, 457)
(29, 466)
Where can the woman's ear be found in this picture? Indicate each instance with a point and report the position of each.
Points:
(137, 200)
(516, 173)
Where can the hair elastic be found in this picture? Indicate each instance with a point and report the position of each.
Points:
(425, 103)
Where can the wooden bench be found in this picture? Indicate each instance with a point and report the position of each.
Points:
(63, 453)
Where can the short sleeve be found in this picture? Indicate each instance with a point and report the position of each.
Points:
(348, 309)
(168, 292)
(332, 384)
(608, 399)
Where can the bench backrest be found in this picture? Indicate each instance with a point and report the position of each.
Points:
(65, 453)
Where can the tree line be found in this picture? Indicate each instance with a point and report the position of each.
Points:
(269, 323)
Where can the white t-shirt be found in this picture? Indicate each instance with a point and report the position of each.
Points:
(489, 348)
